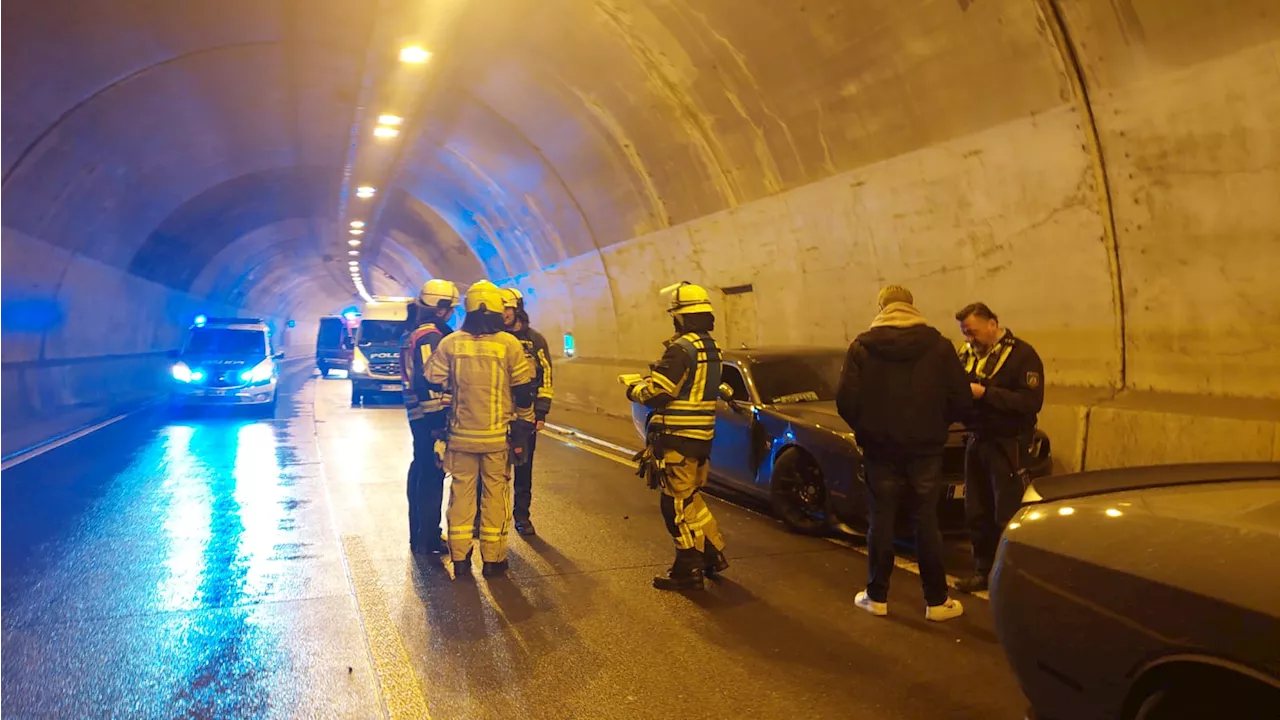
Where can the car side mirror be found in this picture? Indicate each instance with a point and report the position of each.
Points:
(726, 392)
(279, 355)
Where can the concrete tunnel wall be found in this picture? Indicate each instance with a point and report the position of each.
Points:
(1102, 172)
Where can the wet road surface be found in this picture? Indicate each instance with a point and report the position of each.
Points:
(215, 566)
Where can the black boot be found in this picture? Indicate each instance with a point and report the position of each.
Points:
(677, 581)
(973, 583)
(492, 569)
(713, 561)
(685, 573)
(525, 527)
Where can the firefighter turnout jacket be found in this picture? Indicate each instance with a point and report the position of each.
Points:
(682, 389)
(491, 384)
(416, 347)
(539, 354)
(1013, 375)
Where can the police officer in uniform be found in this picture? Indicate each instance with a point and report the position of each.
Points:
(536, 349)
(681, 390)
(1006, 378)
(429, 316)
(490, 419)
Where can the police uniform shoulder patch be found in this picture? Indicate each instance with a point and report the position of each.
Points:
(1033, 380)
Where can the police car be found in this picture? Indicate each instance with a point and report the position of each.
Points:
(375, 362)
(227, 361)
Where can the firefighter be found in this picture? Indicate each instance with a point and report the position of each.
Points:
(535, 348)
(1006, 379)
(681, 390)
(428, 323)
(490, 419)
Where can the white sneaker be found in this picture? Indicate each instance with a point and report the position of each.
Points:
(865, 602)
(945, 611)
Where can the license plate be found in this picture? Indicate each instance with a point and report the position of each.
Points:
(957, 491)
(217, 393)
(389, 387)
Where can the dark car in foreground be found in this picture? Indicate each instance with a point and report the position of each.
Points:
(1144, 593)
(780, 439)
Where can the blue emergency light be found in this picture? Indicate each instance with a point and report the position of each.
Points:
(201, 320)
(569, 347)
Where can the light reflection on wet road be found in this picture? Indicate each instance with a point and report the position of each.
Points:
(179, 567)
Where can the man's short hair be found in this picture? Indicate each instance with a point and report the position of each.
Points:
(980, 309)
(892, 294)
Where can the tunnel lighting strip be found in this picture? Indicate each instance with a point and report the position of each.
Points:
(387, 126)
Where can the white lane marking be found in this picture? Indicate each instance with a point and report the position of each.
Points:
(58, 442)
(571, 434)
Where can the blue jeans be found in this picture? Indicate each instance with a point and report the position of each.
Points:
(917, 479)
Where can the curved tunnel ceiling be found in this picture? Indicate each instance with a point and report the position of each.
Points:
(967, 137)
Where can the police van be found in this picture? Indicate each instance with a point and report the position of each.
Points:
(226, 361)
(375, 362)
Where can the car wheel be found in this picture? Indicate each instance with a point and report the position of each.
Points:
(1203, 692)
(799, 493)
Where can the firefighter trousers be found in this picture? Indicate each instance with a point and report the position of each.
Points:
(688, 518)
(485, 474)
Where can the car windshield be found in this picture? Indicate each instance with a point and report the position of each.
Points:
(380, 332)
(224, 341)
(802, 378)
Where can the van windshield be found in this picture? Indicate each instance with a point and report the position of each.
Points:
(224, 341)
(331, 333)
(380, 332)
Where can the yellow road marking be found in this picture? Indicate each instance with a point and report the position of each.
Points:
(401, 694)
(898, 562)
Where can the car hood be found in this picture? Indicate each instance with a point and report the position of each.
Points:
(221, 362)
(825, 415)
(822, 414)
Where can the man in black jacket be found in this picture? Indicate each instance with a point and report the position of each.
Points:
(1006, 379)
(900, 390)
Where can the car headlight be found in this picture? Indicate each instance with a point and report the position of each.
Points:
(184, 374)
(358, 363)
(260, 373)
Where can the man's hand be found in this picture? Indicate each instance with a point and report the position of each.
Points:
(977, 390)
(537, 426)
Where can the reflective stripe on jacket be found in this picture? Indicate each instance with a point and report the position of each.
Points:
(691, 412)
(480, 371)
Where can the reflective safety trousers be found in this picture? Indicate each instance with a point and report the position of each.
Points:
(479, 372)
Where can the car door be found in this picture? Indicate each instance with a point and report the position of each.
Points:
(732, 456)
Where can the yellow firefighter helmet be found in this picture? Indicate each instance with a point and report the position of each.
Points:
(483, 295)
(512, 298)
(437, 293)
(687, 298)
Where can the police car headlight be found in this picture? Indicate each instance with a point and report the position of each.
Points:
(260, 373)
(358, 363)
(181, 372)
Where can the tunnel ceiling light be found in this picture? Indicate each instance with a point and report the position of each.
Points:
(415, 54)
(354, 231)
(353, 252)
(353, 263)
(357, 223)
(365, 191)
(353, 242)
(390, 119)
(385, 132)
